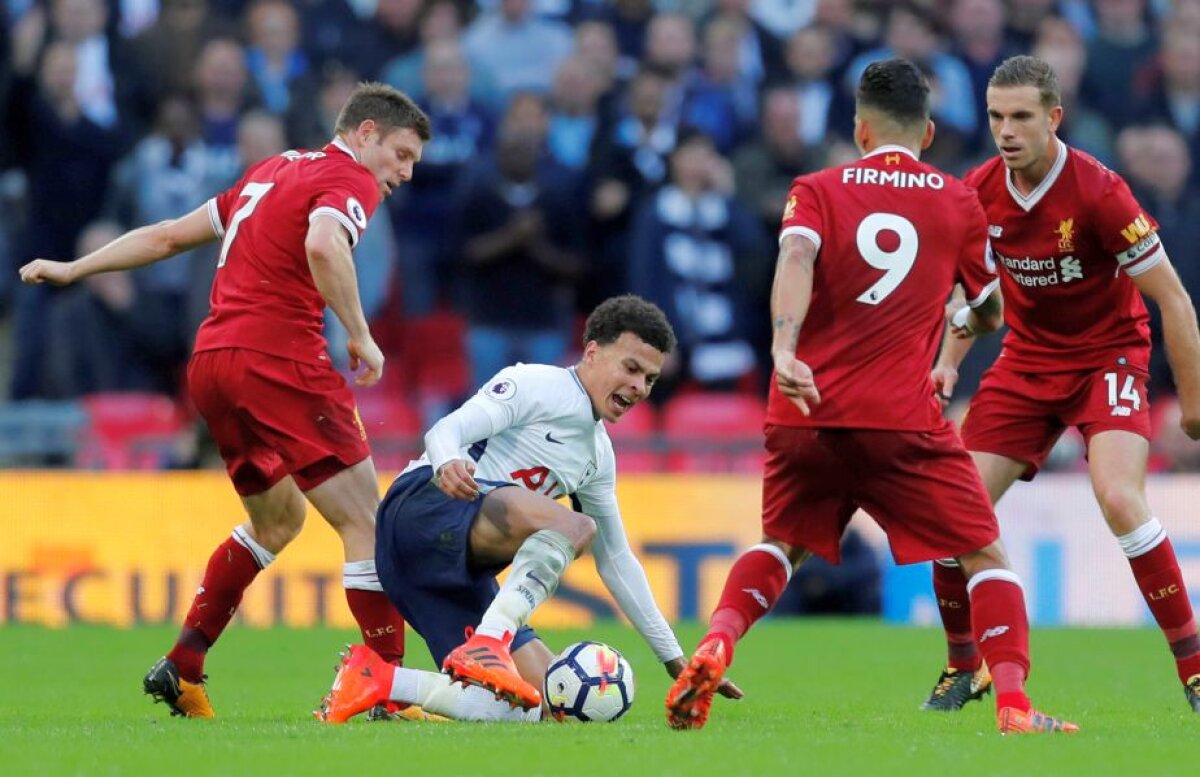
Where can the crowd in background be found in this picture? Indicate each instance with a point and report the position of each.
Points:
(581, 148)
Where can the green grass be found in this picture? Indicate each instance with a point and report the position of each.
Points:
(822, 697)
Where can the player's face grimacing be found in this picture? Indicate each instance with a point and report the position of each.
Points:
(1022, 127)
(619, 375)
(391, 157)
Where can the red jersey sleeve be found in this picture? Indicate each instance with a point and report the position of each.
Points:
(802, 215)
(976, 266)
(350, 196)
(1125, 230)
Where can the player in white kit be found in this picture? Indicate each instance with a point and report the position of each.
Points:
(482, 497)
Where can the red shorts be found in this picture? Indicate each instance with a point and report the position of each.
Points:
(1021, 415)
(920, 487)
(272, 417)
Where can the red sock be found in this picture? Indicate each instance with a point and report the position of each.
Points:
(1161, 583)
(954, 604)
(231, 569)
(1002, 632)
(381, 626)
(755, 583)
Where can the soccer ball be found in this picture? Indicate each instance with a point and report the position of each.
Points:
(589, 681)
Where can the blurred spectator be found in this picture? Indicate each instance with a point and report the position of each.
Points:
(596, 44)
(781, 18)
(1175, 98)
(165, 175)
(273, 57)
(824, 105)
(1025, 19)
(314, 111)
(440, 21)
(629, 20)
(1157, 163)
(691, 250)
(66, 158)
(913, 32)
(574, 112)
(978, 29)
(110, 334)
(330, 29)
(671, 50)
(223, 92)
(518, 49)
(764, 169)
(167, 51)
(628, 164)
(722, 99)
(424, 209)
(1082, 127)
(1122, 51)
(759, 50)
(393, 30)
(520, 258)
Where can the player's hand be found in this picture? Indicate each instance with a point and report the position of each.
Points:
(727, 688)
(1189, 421)
(944, 381)
(364, 352)
(456, 480)
(47, 271)
(795, 381)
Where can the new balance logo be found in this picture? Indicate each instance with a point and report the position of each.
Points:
(995, 230)
(1072, 270)
(995, 631)
(758, 597)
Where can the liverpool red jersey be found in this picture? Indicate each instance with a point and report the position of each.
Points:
(894, 234)
(263, 296)
(1065, 255)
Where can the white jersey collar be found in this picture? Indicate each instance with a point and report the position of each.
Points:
(341, 144)
(1027, 202)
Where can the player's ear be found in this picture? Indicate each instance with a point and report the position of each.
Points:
(862, 134)
(930, 131)
(1056, 115)
(365, 129)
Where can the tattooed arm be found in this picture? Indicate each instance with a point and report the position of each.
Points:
(791, 294)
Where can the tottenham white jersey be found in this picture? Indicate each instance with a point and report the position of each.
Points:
(533, 426)
(542, 434)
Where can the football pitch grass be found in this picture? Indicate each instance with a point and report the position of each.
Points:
(822, 697)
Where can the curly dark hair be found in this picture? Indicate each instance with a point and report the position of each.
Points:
(629, 313)
(897, 88)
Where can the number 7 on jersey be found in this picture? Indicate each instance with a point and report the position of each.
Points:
(254, 192)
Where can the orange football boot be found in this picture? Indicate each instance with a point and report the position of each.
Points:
(488, 663)
(691, 697)
(186, 699)
(1011, 720)
(363, 680)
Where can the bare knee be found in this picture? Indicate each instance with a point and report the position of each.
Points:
(276, 525)
(581, 531)
(988, 557)
(1123, 506)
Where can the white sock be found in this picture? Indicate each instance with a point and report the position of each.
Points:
(361, 575)
(435, 693)
(1143, 539)
(536, 570)
(261, 555)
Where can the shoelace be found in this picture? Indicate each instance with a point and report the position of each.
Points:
(945, 684)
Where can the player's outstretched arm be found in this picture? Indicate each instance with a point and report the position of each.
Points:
(331, 262)
(791, 295)
(136, 248)
(1180, 335)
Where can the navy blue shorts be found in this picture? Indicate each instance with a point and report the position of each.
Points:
(421, 554)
